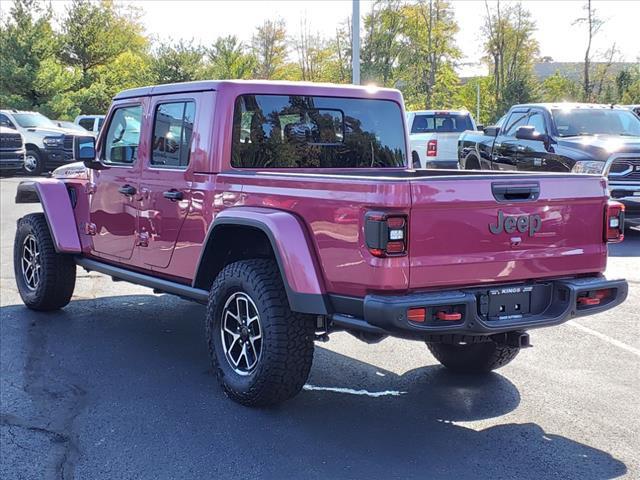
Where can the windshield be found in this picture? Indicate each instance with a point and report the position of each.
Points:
(33, 120)
(571, 123)
(441, 123)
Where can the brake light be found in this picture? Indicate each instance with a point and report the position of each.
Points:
(432, 148)
(386, 234)
(614, 222)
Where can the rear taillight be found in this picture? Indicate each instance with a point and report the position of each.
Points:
(432, 148)
(614, 222)
(386, 234)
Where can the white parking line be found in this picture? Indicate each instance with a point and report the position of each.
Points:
(392, 393)
(604, 337)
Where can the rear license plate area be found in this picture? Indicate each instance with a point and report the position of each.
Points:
(505, 303)
(509, 302)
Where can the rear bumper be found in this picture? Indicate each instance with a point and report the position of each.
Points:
(447, 164)
(385, 314)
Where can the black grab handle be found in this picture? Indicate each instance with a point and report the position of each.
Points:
(515, 192)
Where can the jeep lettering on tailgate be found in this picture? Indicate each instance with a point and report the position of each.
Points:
(523, 223)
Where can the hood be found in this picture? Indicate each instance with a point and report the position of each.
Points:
(601, 147)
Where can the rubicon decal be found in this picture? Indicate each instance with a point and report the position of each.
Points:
(511, 223)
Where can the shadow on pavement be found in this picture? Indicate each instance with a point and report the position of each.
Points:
(125, 386)
(629, 247)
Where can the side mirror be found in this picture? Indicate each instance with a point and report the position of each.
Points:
(492, 131)
(529, 133)
(480, 128)
(84, 150)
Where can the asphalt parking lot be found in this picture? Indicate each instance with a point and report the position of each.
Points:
(118, 385)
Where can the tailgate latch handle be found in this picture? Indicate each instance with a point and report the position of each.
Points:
(515, 192)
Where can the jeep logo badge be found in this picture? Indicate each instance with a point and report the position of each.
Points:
(511, 223)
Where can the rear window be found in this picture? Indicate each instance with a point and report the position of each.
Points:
(282, 131)
(441, 123)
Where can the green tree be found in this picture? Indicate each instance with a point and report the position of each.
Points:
(558, 88)
(429, 52)
(179, 62)
(229, 59)
(269, 47)
(382, 45)
(467, 98)
(96, 34)
(27, 52)
(510, 49)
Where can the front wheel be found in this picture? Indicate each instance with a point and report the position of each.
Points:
(45, 278)
(260, 350)
(473, 358)
(33, 162)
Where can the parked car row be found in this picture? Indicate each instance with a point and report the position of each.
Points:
(578, 138)
(44, 144)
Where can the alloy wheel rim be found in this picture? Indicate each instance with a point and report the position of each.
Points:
(30, 262)
(241, 333)
(30, 163)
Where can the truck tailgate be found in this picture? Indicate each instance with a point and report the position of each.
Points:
(457, 232)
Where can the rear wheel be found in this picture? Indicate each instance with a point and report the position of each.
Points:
(473, 358)
(260, 350)
(33, 162)
(45, 278)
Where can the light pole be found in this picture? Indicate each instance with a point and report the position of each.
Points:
(355, 41)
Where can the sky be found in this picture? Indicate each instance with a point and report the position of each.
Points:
(203, 21)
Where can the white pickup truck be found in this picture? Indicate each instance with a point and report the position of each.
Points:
(433, 135)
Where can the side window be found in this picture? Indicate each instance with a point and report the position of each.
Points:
(86, 123)
(516, 120)
(172, 130)
(536, 119)
(123, 137)
(100, 122)
(5, 122)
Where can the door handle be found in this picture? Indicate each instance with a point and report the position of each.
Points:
(173, 195)
(127, 190)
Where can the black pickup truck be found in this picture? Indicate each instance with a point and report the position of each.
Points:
(579, 138)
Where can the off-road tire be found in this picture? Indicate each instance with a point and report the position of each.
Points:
(287, 344)
(57, 277)
(473, 358)
(39, 167)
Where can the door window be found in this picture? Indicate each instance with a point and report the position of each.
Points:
(123, 137)
(516, 120)
(172, 131)
(86, 123)
(5, 122)
(536, 120)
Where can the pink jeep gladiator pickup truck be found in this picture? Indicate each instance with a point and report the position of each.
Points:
(288, 209)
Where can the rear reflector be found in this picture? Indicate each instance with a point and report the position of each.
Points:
(455, 316)
(418, 315)
(588, 301)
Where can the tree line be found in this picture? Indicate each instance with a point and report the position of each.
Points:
(77, 63)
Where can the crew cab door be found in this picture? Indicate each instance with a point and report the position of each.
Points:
(506, 147)
(114, 191)
(167, 177)
(539, 156)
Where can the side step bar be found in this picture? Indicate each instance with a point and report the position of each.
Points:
(167, 286)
